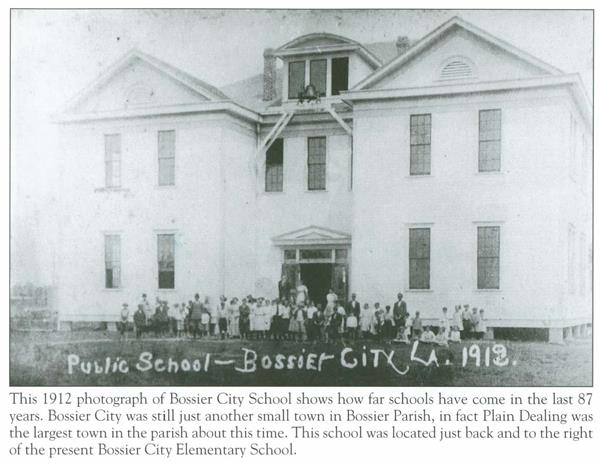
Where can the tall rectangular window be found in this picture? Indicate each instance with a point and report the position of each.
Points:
(112, 261)
(112, 160)
(420, 144)
(488, 257)
(317, 163)
(274, 167)
(490, 136)
(419, 252)
(166, 157)
(166, 261)
(339, 75)
(318, 76)
(296, 78)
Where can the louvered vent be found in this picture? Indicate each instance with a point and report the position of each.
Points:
(457, 69)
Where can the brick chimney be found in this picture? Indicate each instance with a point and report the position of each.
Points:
(269, 75)
(402, 44)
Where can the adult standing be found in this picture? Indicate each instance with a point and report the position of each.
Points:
(301, 293)
(196, 315)
(284, 288)
(353, 307)
(400, 314)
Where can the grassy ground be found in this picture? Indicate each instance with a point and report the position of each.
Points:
(42, 359)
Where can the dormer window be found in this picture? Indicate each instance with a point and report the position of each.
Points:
(296, 78)
(339, 75)
(318, 75)
(328, 76)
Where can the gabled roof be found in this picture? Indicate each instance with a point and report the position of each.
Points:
(208, 91)
(313, 235)
(455, 22)
(308, 43)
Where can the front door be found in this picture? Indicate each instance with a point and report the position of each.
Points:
(317, 277)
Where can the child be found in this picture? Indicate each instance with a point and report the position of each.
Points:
(444, 322)
(481, 328)
(204, 321)
(285, 320)
(388, 323)
(139, 319)
(427, 336)
(244, 320)
(319, 324)
(178, 316)
(341, 315)
(377, 326)
(298, 323)
(417, 326)
(467, 323)
(475, 323)
(123, 325)
(311, 331)
(441, 338)
(366, 320)
(222, 317)
(351, 326)
(233, 314)
(457, 324)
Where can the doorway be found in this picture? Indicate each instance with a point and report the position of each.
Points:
(317, 278)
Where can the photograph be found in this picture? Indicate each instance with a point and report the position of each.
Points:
(273, 197)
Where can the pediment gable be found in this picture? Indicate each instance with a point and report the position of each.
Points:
(313, 235)
(139, 80)
(315, 40)
(456, 52)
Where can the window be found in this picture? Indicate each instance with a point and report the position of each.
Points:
(339, 75)
(274, 167)
(112, 160)
(289, 255)
(458, 68)
(490, 128)
(318, 76)
(317, 163)
(112, 261)
(488, 257)
(420, 144)
(419, 250)
(166, 157)
(295, 78)
(316, 254)
(166, 261)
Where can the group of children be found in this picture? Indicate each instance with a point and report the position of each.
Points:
(282, 319)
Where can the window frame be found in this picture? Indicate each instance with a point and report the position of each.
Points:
(279, 175)
(419, 259)
(331, 89)
(481, 141)
(498, 257)
(324, 91)
(415, 145)
(112, 162)
(309, 164)
(289, 73)
(159, 157)
(160, 234)
(109, 236)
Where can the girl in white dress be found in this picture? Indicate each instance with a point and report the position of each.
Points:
(233, 318)
(366, 321)
(457, 324)
(481, 328)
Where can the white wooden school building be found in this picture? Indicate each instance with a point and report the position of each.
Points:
(456, 169)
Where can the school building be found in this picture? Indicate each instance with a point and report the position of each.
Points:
(455, 169)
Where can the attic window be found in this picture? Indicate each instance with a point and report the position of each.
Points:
(457, 68)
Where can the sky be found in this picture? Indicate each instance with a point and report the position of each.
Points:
(56, 53)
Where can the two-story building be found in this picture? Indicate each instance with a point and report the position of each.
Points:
(456, 169)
